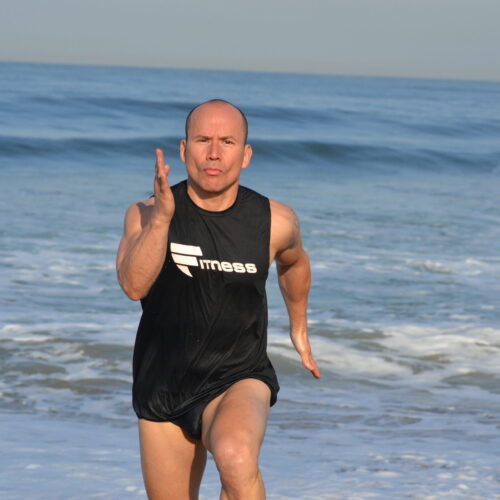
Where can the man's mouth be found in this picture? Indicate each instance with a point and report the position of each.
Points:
(212, 170)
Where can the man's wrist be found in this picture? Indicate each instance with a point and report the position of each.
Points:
(159, 222)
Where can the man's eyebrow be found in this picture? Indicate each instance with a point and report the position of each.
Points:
(223, 138)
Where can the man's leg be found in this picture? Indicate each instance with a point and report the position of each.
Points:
(233, 429)
(172, 461)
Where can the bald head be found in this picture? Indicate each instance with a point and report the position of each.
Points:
(244, 122)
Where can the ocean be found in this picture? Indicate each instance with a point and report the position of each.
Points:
(397, 186)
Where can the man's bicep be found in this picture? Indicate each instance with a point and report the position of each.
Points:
(290, 256)
(291, 249)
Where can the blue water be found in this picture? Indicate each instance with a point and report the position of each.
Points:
(396, 183)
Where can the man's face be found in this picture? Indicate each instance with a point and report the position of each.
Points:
(215, 151)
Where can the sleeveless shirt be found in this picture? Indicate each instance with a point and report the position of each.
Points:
(204, 320)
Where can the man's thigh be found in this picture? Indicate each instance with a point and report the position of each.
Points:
(172, 461)
(240, 415)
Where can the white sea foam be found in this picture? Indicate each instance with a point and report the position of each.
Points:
(38, 338)
(14, 330)
(464, 317)
(11, 328)
(430, 266)
(64, 266)
(440, 354)
(462, 343)
(406, 354)
(341, 358)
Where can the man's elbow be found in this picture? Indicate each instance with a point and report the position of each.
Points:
(133, 293)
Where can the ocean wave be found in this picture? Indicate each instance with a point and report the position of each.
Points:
(407, 354)
(317, 154)
(86, 147)
(95, 106)
(339, 116)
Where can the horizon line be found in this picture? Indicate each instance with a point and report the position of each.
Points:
(265, 71)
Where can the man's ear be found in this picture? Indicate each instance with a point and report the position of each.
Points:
(182, 150)
(247, 156)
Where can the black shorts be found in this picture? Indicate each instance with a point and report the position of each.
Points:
(190, 420)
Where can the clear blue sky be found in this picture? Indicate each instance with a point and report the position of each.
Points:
(417, 38)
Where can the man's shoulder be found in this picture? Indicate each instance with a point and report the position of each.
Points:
(281, 211)
(141, 204)
(138, 213)
(285, 230)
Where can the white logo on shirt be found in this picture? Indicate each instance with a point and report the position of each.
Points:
(187, 255)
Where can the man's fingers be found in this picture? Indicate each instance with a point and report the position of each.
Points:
(159, 159)
(160, 163)
(311, 365)
(315, 372)
(164, 203)
(162, 170)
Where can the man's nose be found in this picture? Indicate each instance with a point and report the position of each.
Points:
(214, 151)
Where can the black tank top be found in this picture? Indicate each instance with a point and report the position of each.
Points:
(204, 320)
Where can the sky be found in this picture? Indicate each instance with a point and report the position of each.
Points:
(409, 38)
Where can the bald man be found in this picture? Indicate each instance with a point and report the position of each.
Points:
(197, 255)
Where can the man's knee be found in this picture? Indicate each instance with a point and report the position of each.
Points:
(236, 459)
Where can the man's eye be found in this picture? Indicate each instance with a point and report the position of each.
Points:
(228, 141)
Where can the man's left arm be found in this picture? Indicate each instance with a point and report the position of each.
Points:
(294, 276)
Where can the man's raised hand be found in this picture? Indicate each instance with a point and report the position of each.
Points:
(164, 204)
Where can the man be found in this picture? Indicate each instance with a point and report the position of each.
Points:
(197, 255)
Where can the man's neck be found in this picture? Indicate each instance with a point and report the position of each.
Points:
(211, 201)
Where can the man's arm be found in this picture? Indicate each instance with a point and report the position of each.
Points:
(294, 276)
(142, 249)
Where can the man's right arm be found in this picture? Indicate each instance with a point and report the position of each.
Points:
(143, 247)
